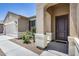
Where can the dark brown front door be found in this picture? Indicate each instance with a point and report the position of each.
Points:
(62, 27)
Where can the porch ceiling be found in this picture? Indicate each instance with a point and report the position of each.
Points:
(53, 7)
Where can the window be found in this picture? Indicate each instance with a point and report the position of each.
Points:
(32, 24)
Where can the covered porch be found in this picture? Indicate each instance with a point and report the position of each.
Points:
(49, 28)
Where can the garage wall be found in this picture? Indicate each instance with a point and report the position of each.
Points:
(11, 29)
(11, 25)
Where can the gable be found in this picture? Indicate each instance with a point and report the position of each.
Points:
(10, 17)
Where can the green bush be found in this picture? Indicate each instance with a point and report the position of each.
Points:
(26, 40)
(27, 36)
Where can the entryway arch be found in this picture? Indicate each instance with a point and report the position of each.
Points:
(50, 17)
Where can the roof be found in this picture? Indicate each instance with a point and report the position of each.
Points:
(14, 14)
(32, 17)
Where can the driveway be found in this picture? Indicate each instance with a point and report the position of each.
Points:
(12, 49)
(5, 37)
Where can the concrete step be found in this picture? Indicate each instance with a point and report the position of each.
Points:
(52, 53)
(46, 53)
(62, 41)
(57, 53)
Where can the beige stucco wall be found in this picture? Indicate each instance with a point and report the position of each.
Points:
(73, 20)
(78, 19)
(74, 30)
(47, 23)
(40, 18)
(23, 24)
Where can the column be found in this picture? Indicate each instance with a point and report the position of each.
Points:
(40, 37)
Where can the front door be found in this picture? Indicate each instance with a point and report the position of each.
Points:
(62, 27)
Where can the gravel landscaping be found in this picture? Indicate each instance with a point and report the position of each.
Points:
(31, 46)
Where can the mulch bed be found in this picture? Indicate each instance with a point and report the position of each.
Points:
(2, 53)
(31, 46)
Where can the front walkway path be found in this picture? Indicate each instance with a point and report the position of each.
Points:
(12, 49)
(52, 53)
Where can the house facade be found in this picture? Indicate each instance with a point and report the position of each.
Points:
(58, 22)
(15, 25)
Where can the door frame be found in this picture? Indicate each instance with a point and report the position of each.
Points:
(56, 25)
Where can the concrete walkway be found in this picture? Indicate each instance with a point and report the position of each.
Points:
(12, 49)
(52, 53)
(5, 37)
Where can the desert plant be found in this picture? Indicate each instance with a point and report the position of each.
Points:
(29, 33)
(26, 37)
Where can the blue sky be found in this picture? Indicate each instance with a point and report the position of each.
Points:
(25, 9)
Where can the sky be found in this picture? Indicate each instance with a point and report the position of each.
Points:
(25, 9)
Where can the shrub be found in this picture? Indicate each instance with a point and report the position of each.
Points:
(26, 40)
(26, 37)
